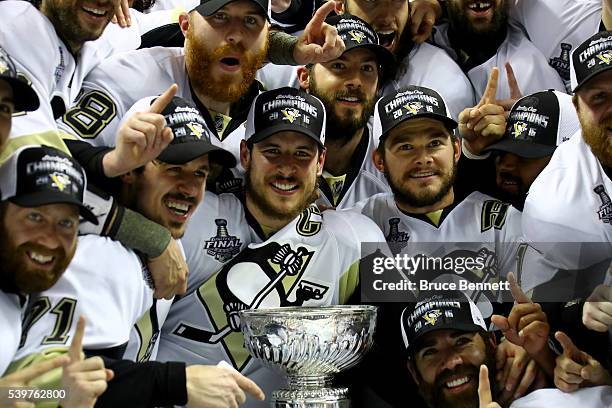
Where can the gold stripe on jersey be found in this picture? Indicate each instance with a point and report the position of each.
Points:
(349, 282)
(52, 138)
(435, 216)
(144, 328)
(336, 185)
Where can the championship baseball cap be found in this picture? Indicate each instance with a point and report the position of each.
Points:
(438, 311)
(409, 103)
(39, 175)
(24, 96)
(209, 7)
(537, 124)
(357, 33)
(591, 58)
(192, 137)
(285, 109)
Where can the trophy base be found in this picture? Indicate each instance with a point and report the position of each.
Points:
(311, 398)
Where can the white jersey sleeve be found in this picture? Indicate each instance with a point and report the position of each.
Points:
(430, 66)
(568, 24)
(10, 320)
(106, 283)
(116, 84)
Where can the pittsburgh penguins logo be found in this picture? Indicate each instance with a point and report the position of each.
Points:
(432, 317)
(357, 36)
(518, 129)
(60, 181)
(268, 276)
(605, 57)
(197, 129)
(413, 107)
(290, 114)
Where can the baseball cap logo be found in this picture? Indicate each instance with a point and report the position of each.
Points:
(605, 57)
(197, 130)
(357, 36)
(290, 114)
(432, 316)
(413, 107)
(518, 129)
(60, 181)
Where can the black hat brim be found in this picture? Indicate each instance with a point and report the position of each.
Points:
(448, 122)
(211, 7)
(24, 96)
(272, 130)
(523, 149)
(41, 198)
(384, 57)
(461, 326)
(590, 76)
(181, 153)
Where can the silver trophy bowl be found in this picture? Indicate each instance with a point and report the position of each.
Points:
(310, 345)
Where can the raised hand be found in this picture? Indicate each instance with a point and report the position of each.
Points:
(423, 15)
(515, 90)
(485, 123)
(122, 13)
(526, 325)
(485, 399)
(320, 41)
(575, 368)
(597, 310)
(516, 371)
(141, 138)
(84, 380)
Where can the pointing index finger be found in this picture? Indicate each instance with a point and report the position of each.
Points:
(515, 91)
(317, 20)
(76, 347)
(484, 388)
(490, 92)
(517, 293)
(163, 100)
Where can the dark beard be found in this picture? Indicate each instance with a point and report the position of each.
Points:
(595, 136)
(17, 276)
(199, 59)
(479, 45)
(415, 200)
(341, 129)
(64, 21)
(433, 393)
(264, 206)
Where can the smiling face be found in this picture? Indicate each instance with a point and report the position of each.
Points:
(281, 175)
(514, 175)
(224, 51)
(347, 87)
(593, 102)
(168, 193)
(6, 111)
(389, 18)
(36, 244)
(77, 21)
(419, 159)
(446, 365)
(479, 17)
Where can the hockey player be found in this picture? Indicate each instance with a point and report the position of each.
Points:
(65, 34)
(294, 254)
(570, 200)
(480, 37)
(347, 87)
(225, 43)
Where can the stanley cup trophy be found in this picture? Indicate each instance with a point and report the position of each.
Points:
(309, 344)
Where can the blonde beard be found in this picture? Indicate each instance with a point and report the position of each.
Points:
(595, 136)
(199, 59)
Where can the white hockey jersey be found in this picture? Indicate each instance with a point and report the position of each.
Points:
(110, 290)
(10, 320)
(429, 66)
(567, 24)
(363, 179)
(478, 225)
(116, 84)
(530, 66)
(52, 70)
(312, 261)
(570, 202)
